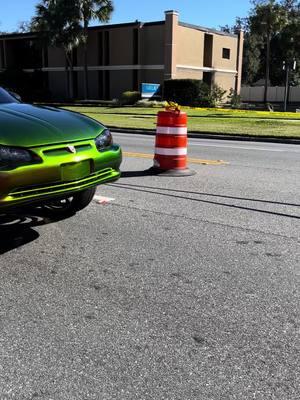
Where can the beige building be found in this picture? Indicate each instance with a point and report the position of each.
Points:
(122, 56)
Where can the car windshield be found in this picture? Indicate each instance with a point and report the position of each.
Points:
(5, 97)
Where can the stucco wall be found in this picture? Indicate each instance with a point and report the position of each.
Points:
(152, 45)
(92, 46)
(58, 85)
(152, 76)
(183, 73)
(2, 62)
(220, 42)
(120, 45)
(190, 46)
(120, 81)
(56, 57)
(93, 84)
(226, 81)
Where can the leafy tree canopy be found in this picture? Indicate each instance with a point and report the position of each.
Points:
(276, 21)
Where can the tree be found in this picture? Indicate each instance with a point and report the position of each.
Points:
(267, 19)
(288, 45)
(252, 65)
(58, 23)
(284, 43)
(24, 26)
(290, 5)
(89, 10)
(253, 44)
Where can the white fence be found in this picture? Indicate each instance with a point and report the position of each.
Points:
(275, 94)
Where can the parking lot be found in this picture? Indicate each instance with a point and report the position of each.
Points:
(170, 288)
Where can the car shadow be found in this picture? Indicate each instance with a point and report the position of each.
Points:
(16, 229)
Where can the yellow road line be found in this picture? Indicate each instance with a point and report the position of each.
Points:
(137, 155)
(206, 162)
(190, 160)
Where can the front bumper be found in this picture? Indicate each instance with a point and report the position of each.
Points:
(59, 174)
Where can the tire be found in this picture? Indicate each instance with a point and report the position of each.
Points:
(83, 199)
(69, 205)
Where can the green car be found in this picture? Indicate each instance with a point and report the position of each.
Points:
(52, 157)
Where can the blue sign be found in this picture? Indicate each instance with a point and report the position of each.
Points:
(149, 90)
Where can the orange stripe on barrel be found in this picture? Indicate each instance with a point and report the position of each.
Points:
(170, 141)
(171, 118)
(171, 162)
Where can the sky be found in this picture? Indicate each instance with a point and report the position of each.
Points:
(212, 14)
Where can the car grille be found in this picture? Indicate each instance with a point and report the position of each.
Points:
(57, 188)
(63, 150)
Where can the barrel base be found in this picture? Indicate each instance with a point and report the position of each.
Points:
(171, 172)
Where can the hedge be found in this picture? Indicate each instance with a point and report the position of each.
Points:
(193, 92)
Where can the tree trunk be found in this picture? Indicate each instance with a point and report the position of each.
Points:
(67, 81)
(286, 90)
(71, 82)
(85, 60)
(70, 76)
(267, 76)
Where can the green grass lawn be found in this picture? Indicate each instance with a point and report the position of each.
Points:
(257, 123)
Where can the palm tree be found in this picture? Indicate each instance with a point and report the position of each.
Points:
(58, 23)
(99, 10)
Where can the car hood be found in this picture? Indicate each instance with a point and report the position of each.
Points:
(25, 125)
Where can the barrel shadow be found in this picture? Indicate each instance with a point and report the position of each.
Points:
(134, 174)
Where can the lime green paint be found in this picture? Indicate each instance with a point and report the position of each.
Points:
(47, 133)
(30, 126)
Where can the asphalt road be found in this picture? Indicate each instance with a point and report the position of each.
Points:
(179, 288)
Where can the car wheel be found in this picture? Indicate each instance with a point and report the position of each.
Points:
(83, 199)
(70, 205)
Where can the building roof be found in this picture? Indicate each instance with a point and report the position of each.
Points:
(32, 35)
(16, 35)
(206, 30)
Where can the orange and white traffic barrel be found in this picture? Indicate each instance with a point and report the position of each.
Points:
(171, 143)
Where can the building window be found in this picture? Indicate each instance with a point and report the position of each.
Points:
(100, 48)
(226, 53)
(100, 84)
(135, 80)
(208, 50)
(2, 54)
(74, 57)
(106, 48)
(107, 85)
(208, 78)
(45, 56)
(135, 46)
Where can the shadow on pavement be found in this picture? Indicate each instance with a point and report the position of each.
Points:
(16, 228)
(134, 174)
(157, 190)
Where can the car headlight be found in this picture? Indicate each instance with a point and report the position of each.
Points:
(14, 157)
(104, 140)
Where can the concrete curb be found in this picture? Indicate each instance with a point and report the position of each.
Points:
(209, 135)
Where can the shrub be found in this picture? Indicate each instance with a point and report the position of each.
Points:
(215, 95)
(234, 99)
(193, 92)
(129, 98)
(151, 103)
(183, 91)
